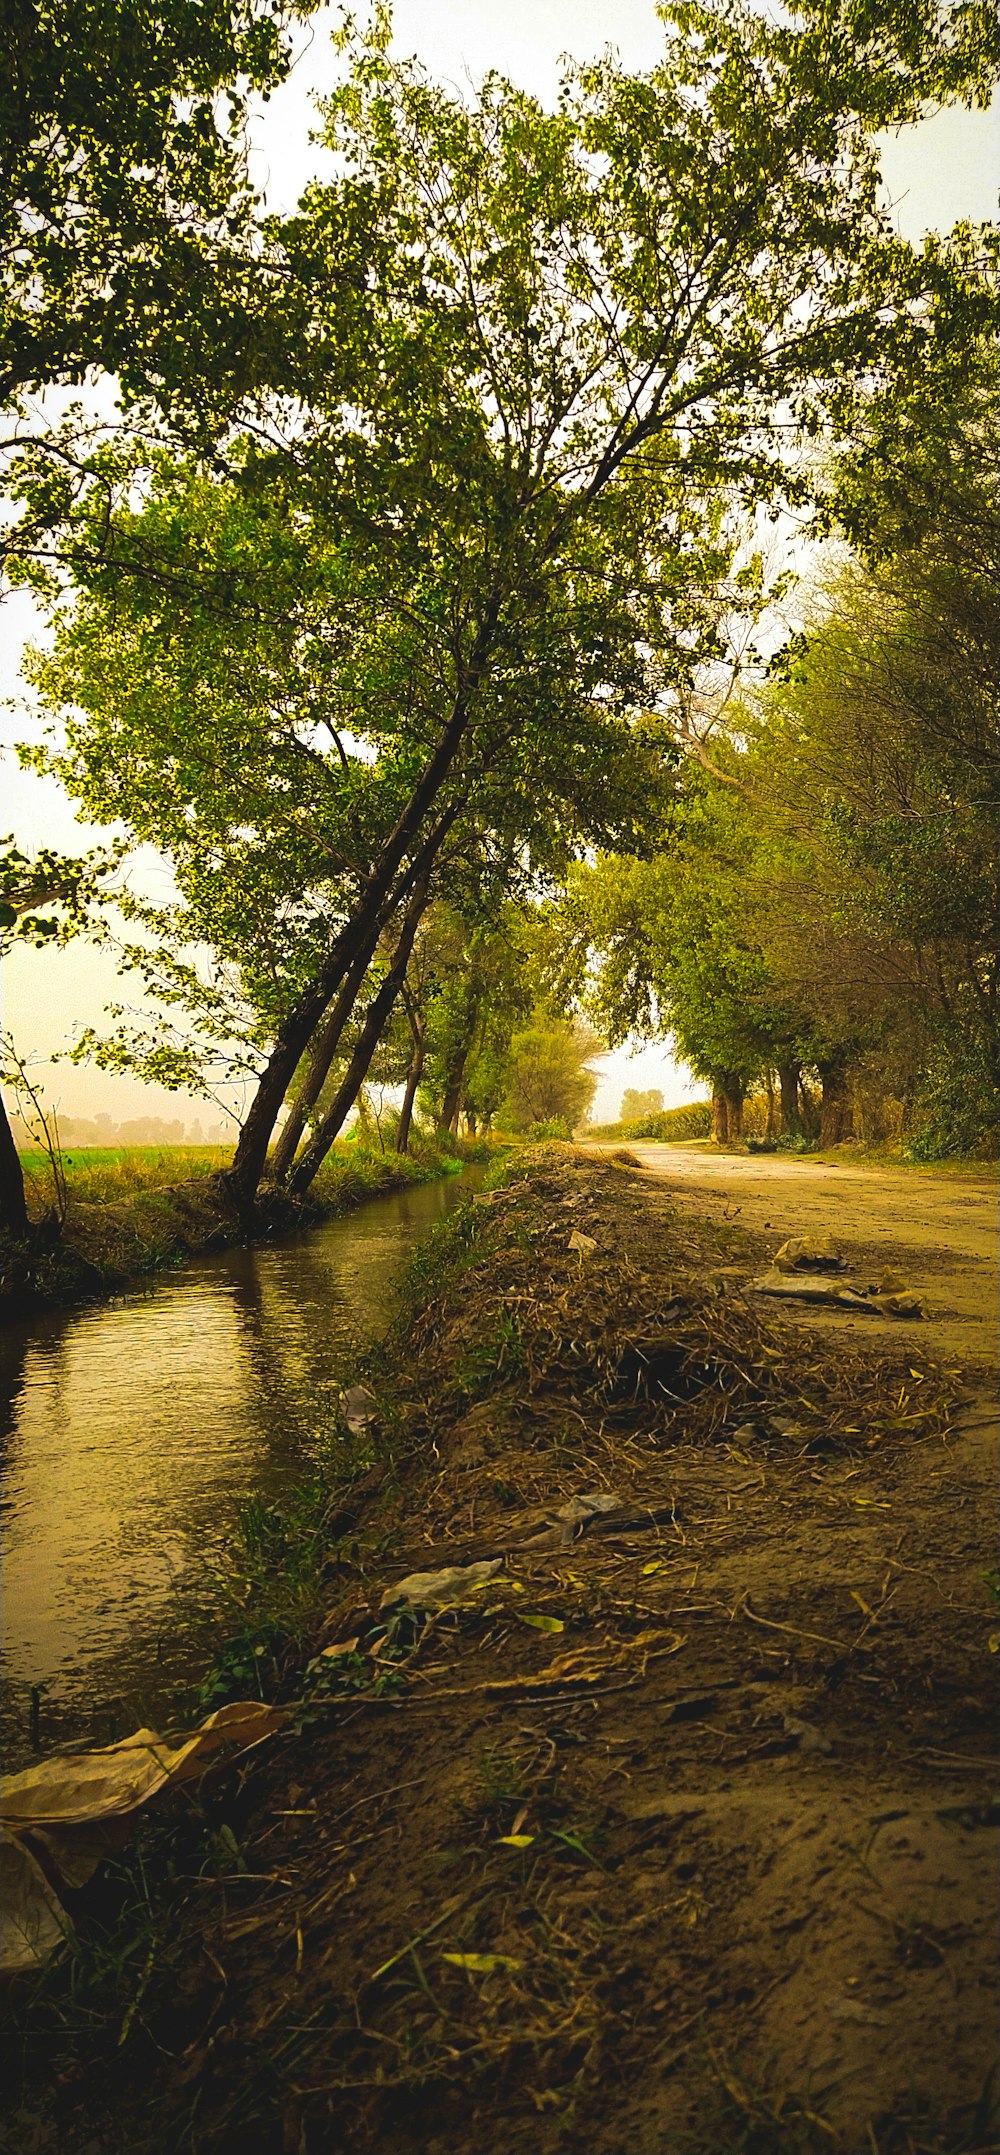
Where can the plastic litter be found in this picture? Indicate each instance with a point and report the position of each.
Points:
(441, 1589)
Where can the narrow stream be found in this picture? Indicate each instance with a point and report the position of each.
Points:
(130, 1433)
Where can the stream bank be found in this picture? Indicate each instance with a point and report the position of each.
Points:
(102, 1249)
(673, 1828)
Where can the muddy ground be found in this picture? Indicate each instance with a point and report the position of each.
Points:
(679, 1835)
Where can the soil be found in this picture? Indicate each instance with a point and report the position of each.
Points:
(679, 1835)
(939, 1230)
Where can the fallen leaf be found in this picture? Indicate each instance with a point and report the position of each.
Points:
(79, 1804)
(481, 1963)
(34, 1924)
(516, 1840)
(540, 1623)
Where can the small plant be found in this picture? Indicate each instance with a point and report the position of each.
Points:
(497, 1355)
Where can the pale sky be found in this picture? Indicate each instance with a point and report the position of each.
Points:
(945, 169)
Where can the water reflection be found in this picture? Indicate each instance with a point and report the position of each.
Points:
(130, 1432)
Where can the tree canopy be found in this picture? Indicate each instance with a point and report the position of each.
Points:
(411, 565)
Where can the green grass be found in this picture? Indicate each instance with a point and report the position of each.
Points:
(133, 1211)
(671, 1125)
(107, 1174)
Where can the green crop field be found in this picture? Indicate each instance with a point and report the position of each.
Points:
(100, 1174)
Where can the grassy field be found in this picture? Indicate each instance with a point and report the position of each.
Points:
(106, 1174)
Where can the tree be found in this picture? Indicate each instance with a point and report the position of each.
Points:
(477, 993)
(127, 225)
(637, 1105)
(550, 1082)
(827, 891)
(875, 760)
(529, 355)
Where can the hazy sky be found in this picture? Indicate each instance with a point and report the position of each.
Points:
(947, 168)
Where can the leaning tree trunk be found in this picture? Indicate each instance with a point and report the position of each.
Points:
(324, 1050)
(788, 1086)
(376, 904)
(13, 1205)
(368, 1039)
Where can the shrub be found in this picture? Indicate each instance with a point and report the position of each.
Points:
(692, 1119)
(957, 1106)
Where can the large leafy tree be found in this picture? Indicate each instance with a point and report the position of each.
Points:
(524, 356)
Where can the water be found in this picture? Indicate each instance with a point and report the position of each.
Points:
(131, 1432)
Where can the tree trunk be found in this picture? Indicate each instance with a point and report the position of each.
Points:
(324, 1050)
(13, 1206)
(769, 1124)
(418, 1027)
(720, 1116)
(368, 1039)
(376, 903)
(835, 1105)
(808, 1117)
(451, 1104)
(734, 1091)
(360, 932)
(788, 1083)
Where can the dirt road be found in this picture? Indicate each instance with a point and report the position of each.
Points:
(938, 1232)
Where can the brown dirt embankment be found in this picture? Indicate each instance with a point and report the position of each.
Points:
(678, 1834)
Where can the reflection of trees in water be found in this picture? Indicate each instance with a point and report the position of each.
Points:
(306, 1311)
(31, 1348)
(14, 1341)
(133, 1432)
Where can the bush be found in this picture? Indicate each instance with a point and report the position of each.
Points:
(957, 1108)
(692, 1119)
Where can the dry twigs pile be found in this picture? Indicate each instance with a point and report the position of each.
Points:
(644, 1330)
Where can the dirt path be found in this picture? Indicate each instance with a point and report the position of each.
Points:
(940, 1233)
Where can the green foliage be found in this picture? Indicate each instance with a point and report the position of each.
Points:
(692, 1119)
(636, 1105)
(122, 182)
(957, 1106)
(550, 1086)
(428, 622)
(827, 891)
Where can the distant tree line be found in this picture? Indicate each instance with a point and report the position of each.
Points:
(821, 915)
